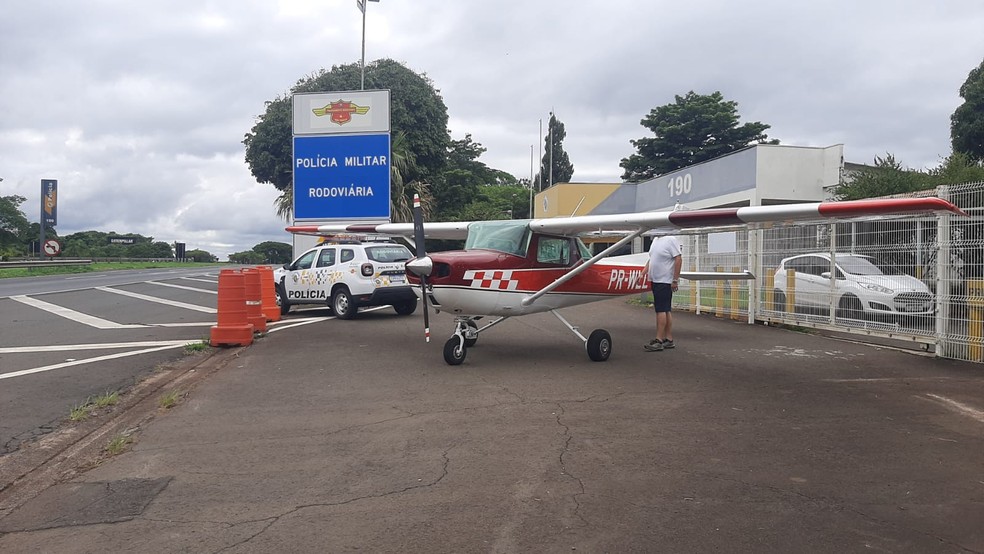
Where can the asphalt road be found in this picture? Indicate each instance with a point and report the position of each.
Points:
(67, 338)
(355, 435)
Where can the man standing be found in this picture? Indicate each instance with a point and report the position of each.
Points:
(663, 269)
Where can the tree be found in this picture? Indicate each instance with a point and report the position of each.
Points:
(99, 244)
(498, 202)
(967, 122)
(693, 129)
(464, 175)
(14, 226)
(886, 177)
(958, 168)
(200, 256)
(247, 257)
(416, 109)
(556, 166)
(273, 252)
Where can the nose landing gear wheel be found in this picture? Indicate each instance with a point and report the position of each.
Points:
(454, 351)
(599, 345)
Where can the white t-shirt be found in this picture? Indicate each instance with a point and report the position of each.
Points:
(661, 255)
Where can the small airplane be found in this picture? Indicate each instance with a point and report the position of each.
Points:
(525, 266)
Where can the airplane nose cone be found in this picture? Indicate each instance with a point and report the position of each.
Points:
(421, 267)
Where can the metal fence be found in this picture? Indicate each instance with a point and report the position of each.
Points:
(919, 280)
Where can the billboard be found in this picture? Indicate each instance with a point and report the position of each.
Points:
(342, 177)
(49, 202)
(341, 157)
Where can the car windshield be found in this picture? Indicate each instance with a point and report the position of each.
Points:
(388, 253)
(863, 265)
(511, 236)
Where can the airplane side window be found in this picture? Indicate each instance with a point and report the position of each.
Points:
(553, 251)
(327, 257)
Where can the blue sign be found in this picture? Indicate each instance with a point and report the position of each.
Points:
(49, 202)
(342, 177)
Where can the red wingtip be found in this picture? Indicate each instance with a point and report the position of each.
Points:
(851, 208)
(302, 229)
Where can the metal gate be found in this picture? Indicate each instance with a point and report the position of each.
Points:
(919, 279)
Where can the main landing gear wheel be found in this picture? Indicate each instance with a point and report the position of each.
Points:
(454, 351)
(599, 345)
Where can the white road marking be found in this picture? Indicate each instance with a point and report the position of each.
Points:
(960, 407)
(21, 373)
(73, 315)
(91, 346)
(884, 379)
(213, 281)
(182, 287)
(159, 300)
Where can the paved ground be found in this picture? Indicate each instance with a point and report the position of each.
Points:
(343, 436)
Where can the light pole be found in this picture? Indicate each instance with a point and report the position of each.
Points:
(362, 8)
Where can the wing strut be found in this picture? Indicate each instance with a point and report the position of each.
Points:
(577, 270)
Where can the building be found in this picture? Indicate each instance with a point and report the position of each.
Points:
(759, 175)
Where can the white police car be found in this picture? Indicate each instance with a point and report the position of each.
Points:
(346, 273)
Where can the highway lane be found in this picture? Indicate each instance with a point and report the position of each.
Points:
(67, 338)
(80, 281)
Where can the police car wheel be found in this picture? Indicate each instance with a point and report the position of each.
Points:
(342, 304)
(282, 299)
(406, 308)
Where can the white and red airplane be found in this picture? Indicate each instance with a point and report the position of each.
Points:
(518, 267)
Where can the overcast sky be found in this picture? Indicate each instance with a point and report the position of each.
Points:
(138, 108)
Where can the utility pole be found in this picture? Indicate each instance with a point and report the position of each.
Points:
(362, 8)
(531, 181)
(550, 181)
(539, 174)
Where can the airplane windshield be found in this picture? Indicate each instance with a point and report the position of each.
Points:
(511, 236)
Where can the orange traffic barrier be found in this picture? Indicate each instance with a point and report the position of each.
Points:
(254, 300)
(268, 293)
(233, 329)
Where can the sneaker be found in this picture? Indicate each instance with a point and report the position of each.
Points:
(668, 344)
(654, 345)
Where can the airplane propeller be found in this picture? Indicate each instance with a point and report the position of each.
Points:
(422, 265)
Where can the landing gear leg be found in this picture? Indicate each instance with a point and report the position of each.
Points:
(466, 332)
(598, 345)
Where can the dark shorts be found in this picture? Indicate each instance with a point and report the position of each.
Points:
(662, 297)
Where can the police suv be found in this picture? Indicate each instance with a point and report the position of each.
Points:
(346, 273)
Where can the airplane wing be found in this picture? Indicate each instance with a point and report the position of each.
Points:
(748, 215)
(447, 230)
(643, 221)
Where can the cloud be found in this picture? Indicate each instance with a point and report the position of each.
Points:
(139, 108)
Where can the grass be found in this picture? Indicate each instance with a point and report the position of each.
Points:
(196, 347)
(118, 444)
(93, 267)
(81, 412)
(169, 399)
(107, 399)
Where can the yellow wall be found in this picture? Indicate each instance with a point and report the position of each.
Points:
(562, 199)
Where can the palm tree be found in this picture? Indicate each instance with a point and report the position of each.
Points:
(401, 192)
